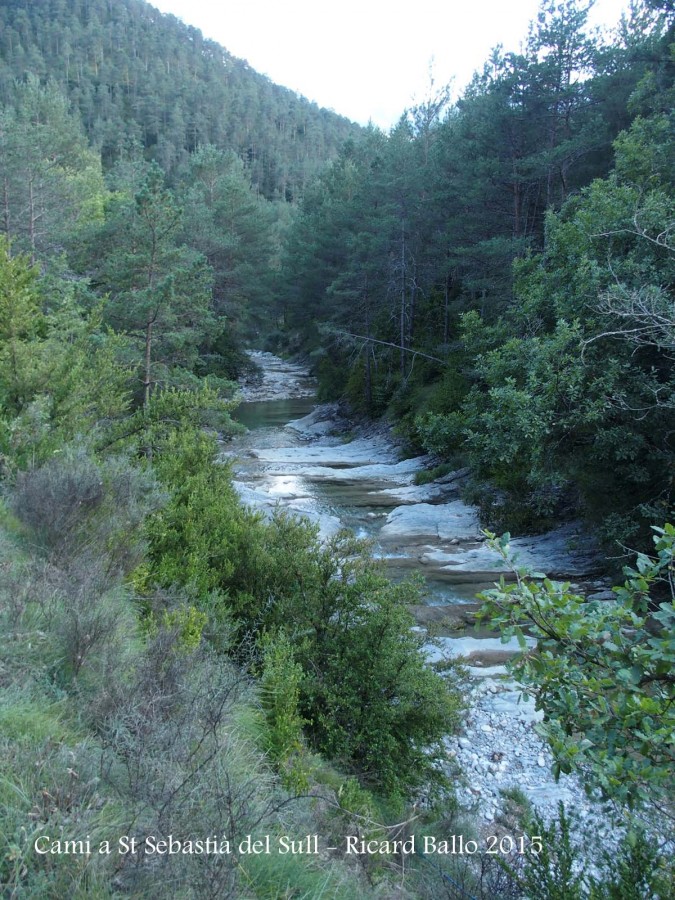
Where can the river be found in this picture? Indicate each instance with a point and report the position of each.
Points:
(309, 460)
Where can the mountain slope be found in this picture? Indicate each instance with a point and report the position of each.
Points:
(136, 74)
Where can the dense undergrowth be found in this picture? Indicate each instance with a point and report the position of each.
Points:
(173, 664)
(130, 712)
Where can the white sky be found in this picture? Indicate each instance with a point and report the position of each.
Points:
(367, 59)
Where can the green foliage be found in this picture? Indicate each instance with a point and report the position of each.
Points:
(21, 324)
(104, 734)
(187, 621)
(52, 180)
(366, 694)
(602, 671)
(573, 387)
(222, 355)
(198, 538)
(62, 376)
(156, 426)
(369, 697)
(44, 787)
(74, 501)
(159, 291)
(501, 287)
(426, 476)
(110, 62)
(232, 226)
(441, 434)
(638, 871)
(553, 377)
(280, 692)
(554, 868)
(551, 871)
(268, 877)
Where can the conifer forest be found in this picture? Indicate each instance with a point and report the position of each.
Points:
(419, 642)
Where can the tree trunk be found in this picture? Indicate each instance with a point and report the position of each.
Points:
(516, 203)
(402, 298)
(369, 377)
(148, 365)
(32, 218)
(6, 216)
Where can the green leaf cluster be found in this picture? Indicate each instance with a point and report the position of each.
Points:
(602, 671)
(366, 694)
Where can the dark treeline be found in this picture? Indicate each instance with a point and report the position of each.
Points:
(171, 663)
(192, 264)
(497, 274)
(134, 74)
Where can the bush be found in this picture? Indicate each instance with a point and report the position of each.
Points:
(55, 499)
(637, 872)
(77, 508)
(551, 871)
(602, 672)
(566, 865)
(280, 694)
(371, 700)
(367, 695)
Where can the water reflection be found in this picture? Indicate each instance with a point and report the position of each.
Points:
(273, 413)
(357, 505)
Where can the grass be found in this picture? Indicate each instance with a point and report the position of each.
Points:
(301, 877)
(426, 476)
(32, 722)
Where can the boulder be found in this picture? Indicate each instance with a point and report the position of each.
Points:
(424, 522)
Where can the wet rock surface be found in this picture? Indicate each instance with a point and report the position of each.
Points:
(370, 454)
(278, 379)
(426, 522)
(308, 468)
(565, 553)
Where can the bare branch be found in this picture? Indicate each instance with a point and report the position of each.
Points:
(371, 340)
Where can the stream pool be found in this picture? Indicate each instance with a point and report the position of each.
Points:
(354, 504)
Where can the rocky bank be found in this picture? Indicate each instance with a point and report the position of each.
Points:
(310, 469)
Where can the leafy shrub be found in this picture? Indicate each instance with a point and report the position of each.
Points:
(280, 695)
(367, 695)
(562, 868)
(55, 499)
(639, 871)
(440, 434)
(186, 621)
(602, 672)
(78, 507)
(551, 871)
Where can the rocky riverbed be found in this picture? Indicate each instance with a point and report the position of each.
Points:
(309, 467)
(277, 379)
(499, 750)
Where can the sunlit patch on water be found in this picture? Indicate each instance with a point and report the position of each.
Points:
(287, 487)
(357, 505)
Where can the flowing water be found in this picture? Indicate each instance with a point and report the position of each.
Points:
(356, 506)
(268, 415)
(339, 480)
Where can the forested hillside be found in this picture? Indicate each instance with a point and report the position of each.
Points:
(134, 74)
(496, 278)
(170, 662)
(497, 275)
